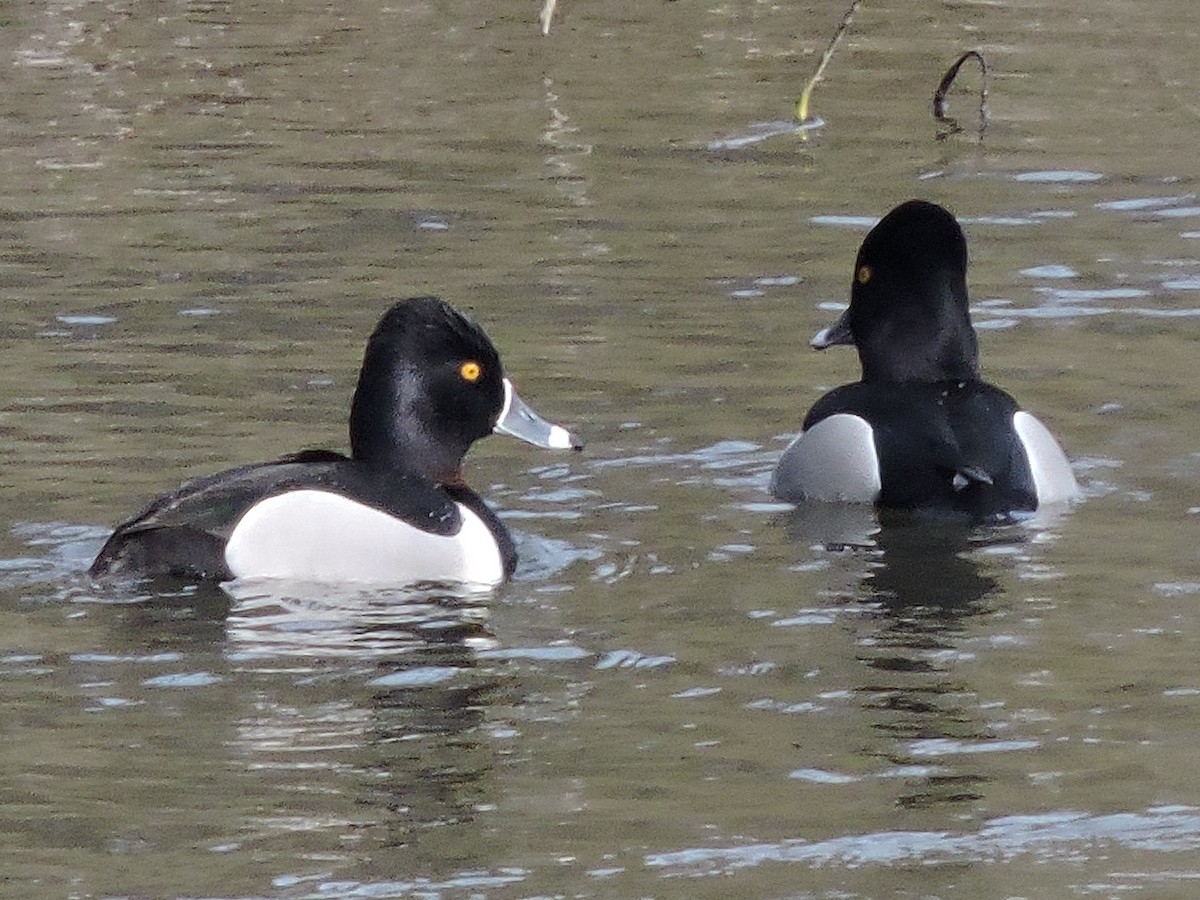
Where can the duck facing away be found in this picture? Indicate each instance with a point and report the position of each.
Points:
(396, 510)
(921, 430)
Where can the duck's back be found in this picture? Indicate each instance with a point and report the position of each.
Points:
(948, 446)
(317, 515)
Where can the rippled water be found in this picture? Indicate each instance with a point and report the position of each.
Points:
(688, 690)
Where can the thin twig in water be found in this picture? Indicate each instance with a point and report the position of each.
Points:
(546, 15)
(943, 88)
(806, 94)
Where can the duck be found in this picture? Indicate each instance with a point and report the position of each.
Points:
(921, 430)
(396, 510)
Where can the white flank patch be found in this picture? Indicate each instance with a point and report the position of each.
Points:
(1052, 475)
(315, 535)
(834, 460)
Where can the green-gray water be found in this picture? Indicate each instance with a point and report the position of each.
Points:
(685, 693)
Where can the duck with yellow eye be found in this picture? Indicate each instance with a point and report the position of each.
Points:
(395, 511)
(921, 430)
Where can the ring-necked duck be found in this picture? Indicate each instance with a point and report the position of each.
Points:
(921, 430)
(396, 510)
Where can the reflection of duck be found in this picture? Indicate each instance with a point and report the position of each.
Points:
(918, 588)
(277, 619)
(920, 430)
(924, 569)
(393, 759)
(907, 564)
(928, 587)
(358, 723)
(395, 511)
(833, 526)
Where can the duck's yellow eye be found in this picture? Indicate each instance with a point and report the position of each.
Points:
(470, 371)
(863, 275)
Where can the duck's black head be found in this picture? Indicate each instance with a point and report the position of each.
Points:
(908, 312)
(431, 385)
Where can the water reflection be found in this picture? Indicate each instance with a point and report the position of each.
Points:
(272, 619)
(368, 712)
(567, 159)
(927, 586)
(923, 571)
(386, 766)
(329, 722)
(924, 588)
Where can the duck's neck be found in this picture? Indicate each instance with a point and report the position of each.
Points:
(942, 348)
(949, 361)
(391, 428)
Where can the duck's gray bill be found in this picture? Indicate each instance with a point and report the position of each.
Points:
(518, 420)
(837, 333)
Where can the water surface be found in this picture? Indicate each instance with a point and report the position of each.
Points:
(688, 691)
